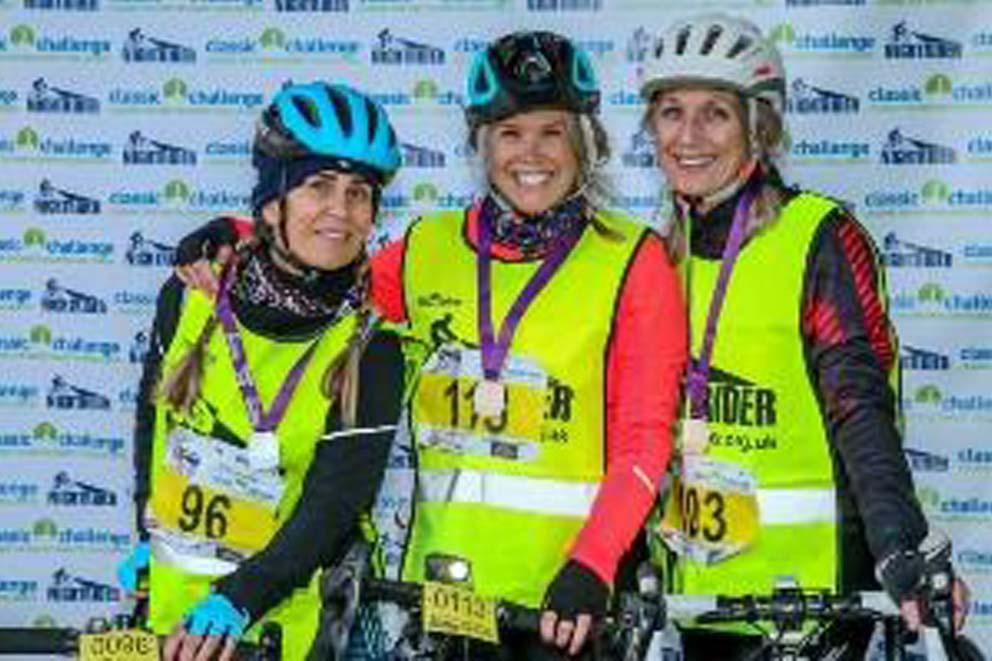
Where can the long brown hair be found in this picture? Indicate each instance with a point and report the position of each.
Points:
(341, 378)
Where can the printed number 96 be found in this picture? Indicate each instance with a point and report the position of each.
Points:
(212, 514)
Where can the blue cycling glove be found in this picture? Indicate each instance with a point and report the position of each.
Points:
(217, 616)
(131, 566)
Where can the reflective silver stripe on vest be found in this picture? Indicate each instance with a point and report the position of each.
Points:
(783, 507)
(202, 565)
(514, 492)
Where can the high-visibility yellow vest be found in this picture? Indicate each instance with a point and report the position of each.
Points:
(764, 419)
(509, 493)
(200, 509)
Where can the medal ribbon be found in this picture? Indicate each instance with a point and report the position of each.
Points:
(261, 420)
(494, 348)
(699, 370)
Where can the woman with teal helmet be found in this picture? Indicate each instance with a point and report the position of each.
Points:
(240, 389)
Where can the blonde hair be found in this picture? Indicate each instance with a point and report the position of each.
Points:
(181, 387)
(591, 145)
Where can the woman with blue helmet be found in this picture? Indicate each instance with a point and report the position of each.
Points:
(242, 391)
(538, 425)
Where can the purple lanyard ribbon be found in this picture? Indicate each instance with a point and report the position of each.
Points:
(495, 349)
(698, 375)
(261, 420)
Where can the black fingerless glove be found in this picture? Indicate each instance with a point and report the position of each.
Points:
(577, 590)
(901, 573)
(205, 241)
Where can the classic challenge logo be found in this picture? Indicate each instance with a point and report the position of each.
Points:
(29, 145)
(24, 42)
(177, 196)
(40, 343)
(937, 91)
(37, 246)
(46, 535)
(935, 300)
(48, 440)
(935, 197)
(275, 44)
(825, 44)
(175, 95)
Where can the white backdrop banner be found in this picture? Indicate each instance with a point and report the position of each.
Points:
(126, 123)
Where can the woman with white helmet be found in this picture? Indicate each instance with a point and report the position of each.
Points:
(240, 389)
(790, 450)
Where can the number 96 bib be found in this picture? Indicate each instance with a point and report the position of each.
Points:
(712, 510)
(210, 502)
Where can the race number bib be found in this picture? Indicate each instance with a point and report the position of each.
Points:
(453, 610)
(209, 491)
(446, 414)
(712, 510)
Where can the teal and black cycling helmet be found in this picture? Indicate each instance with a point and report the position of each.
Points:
(530, 70)
(328, 122)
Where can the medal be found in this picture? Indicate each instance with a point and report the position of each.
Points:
(695, 436)
(263, 446)
(489, 398)
(263, 451)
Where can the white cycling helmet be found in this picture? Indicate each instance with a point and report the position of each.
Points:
(719, 50)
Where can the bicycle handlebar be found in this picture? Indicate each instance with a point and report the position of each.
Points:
(790, 607)
(509, 616)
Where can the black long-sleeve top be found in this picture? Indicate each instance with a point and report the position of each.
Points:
(850, 347)
(340, 483)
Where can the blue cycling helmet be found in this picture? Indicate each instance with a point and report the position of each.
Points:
(528, 70)
(329, 121)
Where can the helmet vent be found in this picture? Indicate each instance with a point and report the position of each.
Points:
(712, 35)
(307, 108)
(743, 43)
(341, 110)
(373, 116)
(392, 137)
(681, 41)
(480, 85)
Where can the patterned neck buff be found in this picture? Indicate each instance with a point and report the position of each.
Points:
(260, 283)
(533, 235)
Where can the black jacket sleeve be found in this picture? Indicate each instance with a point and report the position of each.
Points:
(341, 483)
(859, 406)
(167, 310)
